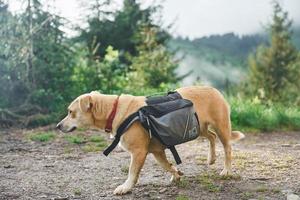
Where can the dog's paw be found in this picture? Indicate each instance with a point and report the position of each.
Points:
(122, 189)
(176, 177)
(211, 160)
(226, 172)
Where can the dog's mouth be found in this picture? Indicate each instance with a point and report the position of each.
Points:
(71, 129)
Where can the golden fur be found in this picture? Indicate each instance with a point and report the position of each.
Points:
(92, 110)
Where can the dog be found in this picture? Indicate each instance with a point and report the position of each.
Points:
(92, 110)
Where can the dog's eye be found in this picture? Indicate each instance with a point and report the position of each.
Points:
(70, 111)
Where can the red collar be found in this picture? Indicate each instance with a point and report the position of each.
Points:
(111, 117)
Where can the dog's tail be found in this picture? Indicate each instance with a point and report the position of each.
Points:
(236, 136)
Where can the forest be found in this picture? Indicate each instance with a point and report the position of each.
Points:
(128, 50)
(46, 61)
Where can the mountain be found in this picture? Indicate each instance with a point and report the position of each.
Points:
(218, 60)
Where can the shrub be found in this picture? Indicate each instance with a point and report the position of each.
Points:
(253, 115)
(42, 136)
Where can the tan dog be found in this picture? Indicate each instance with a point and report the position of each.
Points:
(92, 111)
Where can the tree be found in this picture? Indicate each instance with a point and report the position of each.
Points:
(273, 68)
(119, 29)
(107, 74)
(12, 59)
(154, 66)
(49, 59)
(36, 62)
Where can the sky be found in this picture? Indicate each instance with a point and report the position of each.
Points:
(204, 17)
(196, 18)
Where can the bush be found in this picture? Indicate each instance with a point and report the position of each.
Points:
(39, 120)
(253, 115)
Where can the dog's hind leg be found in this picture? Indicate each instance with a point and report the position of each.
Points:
(224, 134)
(136, 164)
(161, 158)
(211, 136)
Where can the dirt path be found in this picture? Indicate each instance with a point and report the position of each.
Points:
(266, 166)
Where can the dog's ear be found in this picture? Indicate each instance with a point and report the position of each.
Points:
(85, 103)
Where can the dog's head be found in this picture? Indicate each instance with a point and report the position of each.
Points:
(80, 114)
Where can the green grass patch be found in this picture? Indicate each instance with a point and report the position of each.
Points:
(92, 143)
(96, 138)
(77, 192)
(92, 148)
(207, 182)
(254, 116)
(182, 183)
(182, 197)
(75, 139)
(81, 129)
(42, 136)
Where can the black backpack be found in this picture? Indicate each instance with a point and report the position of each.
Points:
(171, 119)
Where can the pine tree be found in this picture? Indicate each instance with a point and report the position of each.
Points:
(36, 63)
(154, 66)
(12, 58)
(118, 29)
(272, 68)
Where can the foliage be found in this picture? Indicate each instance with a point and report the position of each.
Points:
(275, 69)
(207, 182)
(94, 147)
(256, 115)
(118, 29)
(37, 120)
(107, 75)
(96, 138)
(75, 139)
(37, 64)
(40, 66)
(182, 197)
(42, 137)
(221, 49)
(153, 59)
(12, 59)
(128, 51)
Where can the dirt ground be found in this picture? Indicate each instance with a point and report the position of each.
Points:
(266, 166)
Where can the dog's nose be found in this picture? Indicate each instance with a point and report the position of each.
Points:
(58, 126)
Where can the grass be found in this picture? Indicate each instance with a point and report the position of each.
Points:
(75, 139)
(96, 138)
(90, 148)
(95, 143)
(182, 183)
(67, 150)
(92, 143)
(125, 169)
(93, 147)
(182, 197)
(254, 116)
(42, 136)
(208, 184)
(207, 181)
(77, 192)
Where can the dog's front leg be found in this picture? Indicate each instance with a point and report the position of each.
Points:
(136, 164)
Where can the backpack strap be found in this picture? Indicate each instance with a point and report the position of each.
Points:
(122, 128)
(175, 155)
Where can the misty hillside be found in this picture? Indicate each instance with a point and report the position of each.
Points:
(219, 60)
